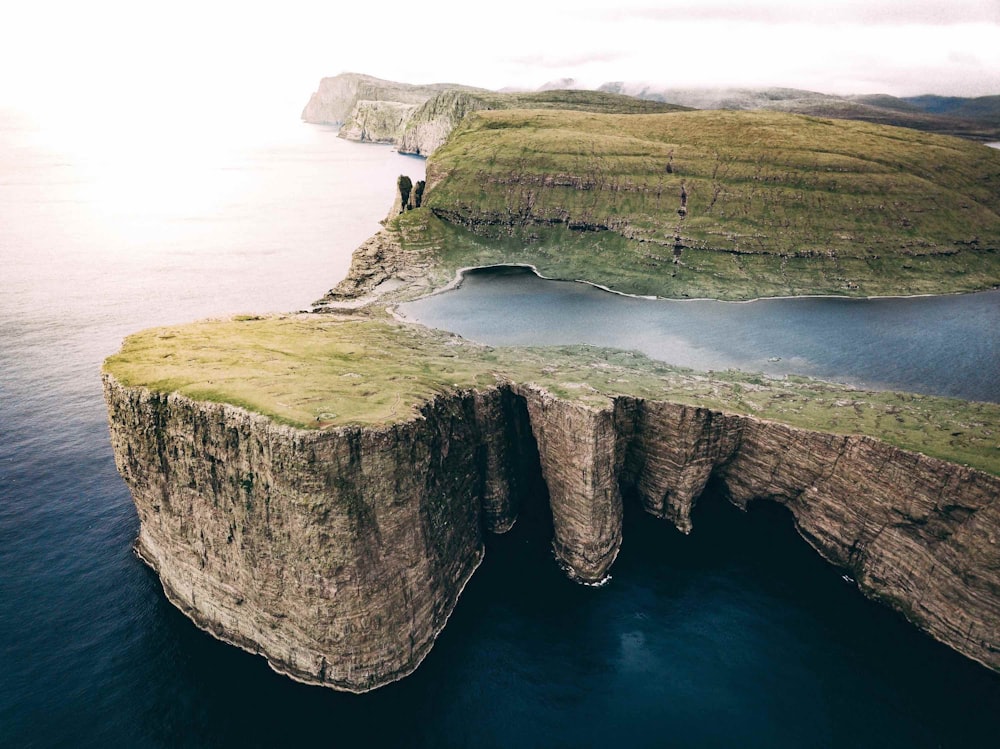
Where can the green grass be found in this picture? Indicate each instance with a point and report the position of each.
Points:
(609, 259)
(314, 371)
(304, 371)
(775, 204)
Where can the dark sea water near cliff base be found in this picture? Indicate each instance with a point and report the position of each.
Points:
(738, 635)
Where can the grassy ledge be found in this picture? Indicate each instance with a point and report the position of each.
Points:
(319, 371)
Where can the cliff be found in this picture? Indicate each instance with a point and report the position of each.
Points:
(337, 96)
(432, 122)
(376, 121)
(337, 555)
(418, 119)
(338, 552)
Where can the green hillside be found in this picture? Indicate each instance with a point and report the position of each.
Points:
(724, 204)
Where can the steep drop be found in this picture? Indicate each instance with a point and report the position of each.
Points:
(339, 554)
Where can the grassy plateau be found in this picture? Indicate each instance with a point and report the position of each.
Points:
(730, 205)
(319, 371)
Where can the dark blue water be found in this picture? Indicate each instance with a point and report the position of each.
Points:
(736, 635)
(947, 345)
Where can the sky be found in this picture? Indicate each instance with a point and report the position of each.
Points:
(135, 60)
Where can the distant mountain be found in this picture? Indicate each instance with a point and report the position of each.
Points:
(978, 108)
(885, 101)
(560, 84)
(372, 109)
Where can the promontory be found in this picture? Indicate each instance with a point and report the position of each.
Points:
(316, 487)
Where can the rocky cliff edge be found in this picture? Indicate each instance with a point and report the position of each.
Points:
(338, 553)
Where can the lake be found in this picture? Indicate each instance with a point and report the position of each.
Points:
(735, 635)
(945, 345)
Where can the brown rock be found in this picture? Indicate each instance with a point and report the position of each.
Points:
(339, 554)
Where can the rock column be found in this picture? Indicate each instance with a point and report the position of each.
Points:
(580, 460)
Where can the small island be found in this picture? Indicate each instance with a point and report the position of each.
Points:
(316, 487)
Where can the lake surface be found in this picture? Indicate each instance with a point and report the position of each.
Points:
(946, 345)
(735, 635)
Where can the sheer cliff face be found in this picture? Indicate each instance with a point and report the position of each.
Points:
(338, 555)
(337, 96)
(918, 533)
(433, 121)
(376, 121)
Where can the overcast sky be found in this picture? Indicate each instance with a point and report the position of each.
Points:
(142, 59)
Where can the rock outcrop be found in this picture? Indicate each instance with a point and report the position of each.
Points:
(339, 554)
(336, 98)
(376, 121)
(409, 196)
(379, 268)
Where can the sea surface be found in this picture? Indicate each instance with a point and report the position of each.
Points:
(737, 635)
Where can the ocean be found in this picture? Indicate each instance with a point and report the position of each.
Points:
(735, 635)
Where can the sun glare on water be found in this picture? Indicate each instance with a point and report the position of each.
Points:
(131, 171)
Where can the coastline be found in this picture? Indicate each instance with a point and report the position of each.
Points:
(460, 274)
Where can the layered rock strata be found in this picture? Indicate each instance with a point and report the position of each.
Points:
(339, 554)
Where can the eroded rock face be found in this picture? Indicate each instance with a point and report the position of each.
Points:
(338, 555)
(337, 96)
(920, 534)
(433, 121)
(376, 121)
(578, 448)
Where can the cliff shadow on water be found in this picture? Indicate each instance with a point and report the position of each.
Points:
(388, 525)
(737, 623)
(736, 627)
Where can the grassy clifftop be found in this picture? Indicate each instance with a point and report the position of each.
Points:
(432, 123)
(724, 204)
(315, 371)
